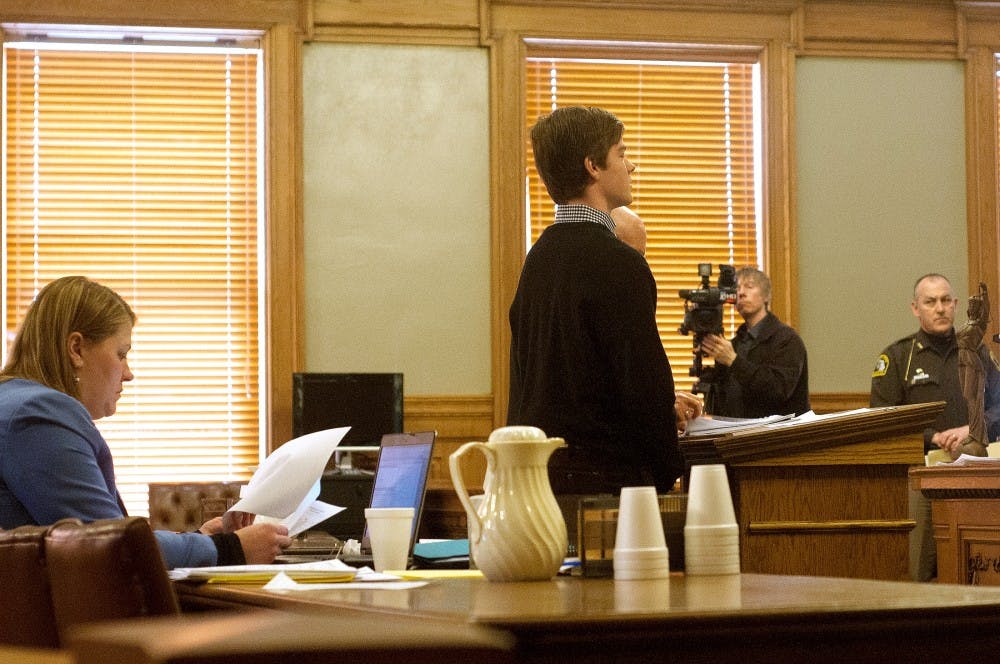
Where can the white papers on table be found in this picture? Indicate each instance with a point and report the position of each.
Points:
(285, 486)
(717, 425)
(366, 580)
(714, 425)
(314, 575)
(969, 460)
(321, 570)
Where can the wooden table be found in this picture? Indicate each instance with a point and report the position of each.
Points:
(965, 510)
(744, 618)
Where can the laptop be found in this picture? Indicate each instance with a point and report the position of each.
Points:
(400, 480)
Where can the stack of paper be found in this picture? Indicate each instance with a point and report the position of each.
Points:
(326, 571)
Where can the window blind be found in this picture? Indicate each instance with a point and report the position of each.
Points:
(690, 130)
(139, 168)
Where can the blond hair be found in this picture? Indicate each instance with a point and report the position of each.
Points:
(62, 307)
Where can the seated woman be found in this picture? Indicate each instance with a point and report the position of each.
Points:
(66, 368)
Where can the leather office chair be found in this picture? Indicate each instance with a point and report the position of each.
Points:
(26, 615)
(106, 570)
(177, 505)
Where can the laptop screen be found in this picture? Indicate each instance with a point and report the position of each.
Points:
(401, 475)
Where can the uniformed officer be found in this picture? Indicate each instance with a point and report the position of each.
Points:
(921, 368)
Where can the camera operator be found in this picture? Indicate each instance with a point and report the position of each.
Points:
(763, 370)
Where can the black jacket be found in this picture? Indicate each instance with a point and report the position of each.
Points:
(770, 375)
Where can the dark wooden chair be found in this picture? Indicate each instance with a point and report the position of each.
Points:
(106, 570)
(26, 615)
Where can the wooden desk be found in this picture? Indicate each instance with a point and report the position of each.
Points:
(739, 618)
(965, 510)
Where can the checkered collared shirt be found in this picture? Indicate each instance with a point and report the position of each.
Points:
(576, 213)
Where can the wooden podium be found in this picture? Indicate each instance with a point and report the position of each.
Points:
(824, 496)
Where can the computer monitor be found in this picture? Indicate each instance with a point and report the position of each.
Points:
(370, 403)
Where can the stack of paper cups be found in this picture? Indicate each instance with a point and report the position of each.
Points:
(640, 545)
(711, 535)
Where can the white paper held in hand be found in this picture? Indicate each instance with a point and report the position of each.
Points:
(282, 484)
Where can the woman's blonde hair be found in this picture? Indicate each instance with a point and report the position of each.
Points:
(66, 305)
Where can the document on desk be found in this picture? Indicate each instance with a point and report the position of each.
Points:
(969, 460)
(321, 571)
(365, 580)
(715, 425)
(285, 486)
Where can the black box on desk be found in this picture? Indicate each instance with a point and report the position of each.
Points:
(351, 489)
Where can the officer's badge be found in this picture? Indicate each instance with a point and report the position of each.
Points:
(881, 366)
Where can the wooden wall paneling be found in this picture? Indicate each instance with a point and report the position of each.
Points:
(979, 27)
(251, 14)
(283, 150)
(894, 29)
(508, 153)
(457, 420)
(441, 22)
(400, 13)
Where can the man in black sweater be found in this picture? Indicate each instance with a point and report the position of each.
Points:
(586, 361)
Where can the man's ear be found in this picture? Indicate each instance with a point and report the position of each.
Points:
(74, 348)
(591, 167)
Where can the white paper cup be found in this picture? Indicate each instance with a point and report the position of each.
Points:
(389, 534)
(711, 550)
(639, 523)
(709, 501)
(642, 574)
(638, 565)
(640, 554)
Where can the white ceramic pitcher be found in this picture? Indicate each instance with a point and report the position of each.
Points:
(518, 533)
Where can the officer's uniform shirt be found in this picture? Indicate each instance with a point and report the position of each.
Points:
(922, 368)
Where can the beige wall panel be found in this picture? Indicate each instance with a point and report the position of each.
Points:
(396, 209)
(881, 200)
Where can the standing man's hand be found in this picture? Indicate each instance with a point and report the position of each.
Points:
(687, 407)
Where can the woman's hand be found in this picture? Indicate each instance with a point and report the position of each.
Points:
(261, 542)
(212, 526)
(233, 521)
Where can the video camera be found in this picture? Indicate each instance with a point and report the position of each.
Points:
(703, 314)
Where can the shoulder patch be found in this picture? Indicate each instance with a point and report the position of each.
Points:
(881, 366)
